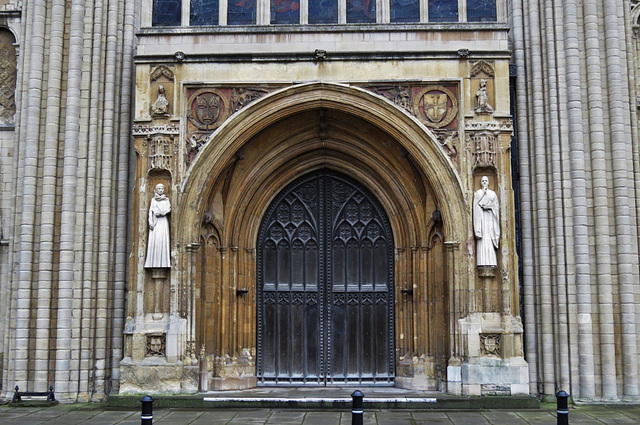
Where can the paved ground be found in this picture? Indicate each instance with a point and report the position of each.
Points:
(97, 415)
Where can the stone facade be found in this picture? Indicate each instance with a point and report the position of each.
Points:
(226, 116)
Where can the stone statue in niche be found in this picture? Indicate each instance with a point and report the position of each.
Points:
(158, 248)
(482, 98)
(486, 224)
(161, 106)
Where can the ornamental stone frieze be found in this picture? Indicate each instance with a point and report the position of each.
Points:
(485, 140)
(158, 145)
(208, 108)
(436, 106)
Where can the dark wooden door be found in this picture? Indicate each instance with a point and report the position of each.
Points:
(325, 286)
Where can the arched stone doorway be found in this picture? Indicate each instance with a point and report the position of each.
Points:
(245, 167)
(325, 286)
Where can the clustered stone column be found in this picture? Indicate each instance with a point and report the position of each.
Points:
(585, 250)
(69, 182)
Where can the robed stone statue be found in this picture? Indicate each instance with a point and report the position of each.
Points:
(158, 248)
(486, 224)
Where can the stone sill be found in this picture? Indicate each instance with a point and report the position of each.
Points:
(267, 29)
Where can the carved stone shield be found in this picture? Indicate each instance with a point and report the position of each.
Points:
(435, 106)
(207, 108)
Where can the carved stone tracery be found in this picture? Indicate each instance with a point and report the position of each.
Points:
(161, 151)
(484, 146)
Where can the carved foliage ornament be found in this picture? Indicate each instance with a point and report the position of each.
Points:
(194, 145)
(242, 96)
(161, 71)
(401, 96)
(482, 67)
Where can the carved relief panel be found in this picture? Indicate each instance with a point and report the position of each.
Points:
(483, 88)
(8, 76)
(208, 108)
(435, 105)
(157, 146)
(161, 92)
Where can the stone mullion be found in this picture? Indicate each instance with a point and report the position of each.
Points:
(28, 182)
(626, 247)
(67, 320)
(600, 199)
(562, 220)
(542, 234)
(48, 201)
(586, 388)
(525, 194)
(122, 208)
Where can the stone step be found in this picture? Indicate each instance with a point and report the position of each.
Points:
(318, 401)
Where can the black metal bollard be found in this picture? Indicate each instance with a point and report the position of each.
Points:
(356, 410)
(147, 411)
(563, 408)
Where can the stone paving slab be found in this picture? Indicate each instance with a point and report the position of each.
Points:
(72, 414)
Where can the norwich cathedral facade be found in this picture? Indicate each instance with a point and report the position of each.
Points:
(204, 195)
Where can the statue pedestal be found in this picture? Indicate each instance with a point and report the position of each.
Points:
(487, 271)
(159, 277)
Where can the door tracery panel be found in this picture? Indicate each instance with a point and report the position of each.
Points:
(325, 285)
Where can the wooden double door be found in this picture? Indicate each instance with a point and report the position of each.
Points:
(325, 286)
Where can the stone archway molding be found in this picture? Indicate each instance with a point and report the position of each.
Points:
(416, 138)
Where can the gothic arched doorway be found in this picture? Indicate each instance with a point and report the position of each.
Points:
(325, 285)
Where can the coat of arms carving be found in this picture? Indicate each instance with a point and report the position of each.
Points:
(207, 109)
(436, 106)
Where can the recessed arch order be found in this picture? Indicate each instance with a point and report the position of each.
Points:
(415, 138)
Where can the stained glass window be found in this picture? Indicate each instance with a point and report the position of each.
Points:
(405, 11)
(481, 11)
(241, 12)
(443, 10)
(323, 11)
(204, 12)
(285, 11)
(361, 11)
(166, 13)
